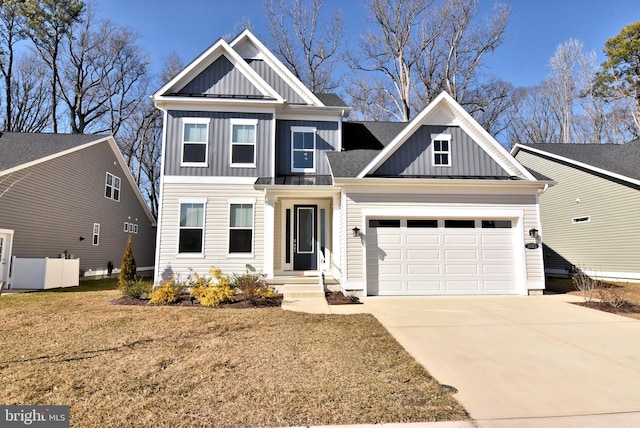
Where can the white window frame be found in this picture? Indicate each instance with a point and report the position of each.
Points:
(135, 229)
(434, 152)
(115, 189)
(249, 122)
(195, 121)
(126, 227)
(95, 238)
(245, 201)
(181, 202)
(306, 130)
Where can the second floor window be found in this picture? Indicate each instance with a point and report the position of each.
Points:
(243, 142)
(195, 142)
(112, 187)
(303, 149)
(441, 144)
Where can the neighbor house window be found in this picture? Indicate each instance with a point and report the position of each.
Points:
(441, 144)
(240, 227)
(112, 187)
(195, 142)
(243, 142)
(303, 148)
(191, 234)
(96, 234)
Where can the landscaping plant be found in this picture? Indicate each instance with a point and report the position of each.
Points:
(212, 289)
(137, 287)
(128, 266)
(253, 286)
(167, 293)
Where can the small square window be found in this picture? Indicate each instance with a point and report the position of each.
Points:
(441, 149)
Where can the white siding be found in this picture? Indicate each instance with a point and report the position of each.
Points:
(216, 230)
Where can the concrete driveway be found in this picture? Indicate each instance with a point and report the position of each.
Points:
(521, 357)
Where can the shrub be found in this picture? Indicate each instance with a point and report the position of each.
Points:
(128, 267)
(612, 295)
(136, 287)
(168, 292)
(586, 285)
(253, 285)
(211, 289)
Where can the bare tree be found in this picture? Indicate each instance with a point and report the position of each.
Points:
(422, 49)
(11, 32)
(306, 43)
(31, 95)
(48, 23)
(101, 76)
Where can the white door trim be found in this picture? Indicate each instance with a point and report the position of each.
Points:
(5, 254)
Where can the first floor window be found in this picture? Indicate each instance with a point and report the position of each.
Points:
(195, 141)
(191, 228)
(96, 234)
(112, 187)
(240, 228)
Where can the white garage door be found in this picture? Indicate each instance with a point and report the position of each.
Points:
(440, 257)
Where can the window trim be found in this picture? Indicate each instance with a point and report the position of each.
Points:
(202, 201)
(251, 122)
(115, 190)
(95, 238)
(248, 201)
(440, 137)
(309, 130)
(195, 121)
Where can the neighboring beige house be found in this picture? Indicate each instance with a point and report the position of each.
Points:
(590, 217)
(260, 173)
(73, 195)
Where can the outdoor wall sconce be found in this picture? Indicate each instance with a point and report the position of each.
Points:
(533, 233)
(356, 231)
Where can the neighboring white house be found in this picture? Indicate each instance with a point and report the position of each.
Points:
(261, 174)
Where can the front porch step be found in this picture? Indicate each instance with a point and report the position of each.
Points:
(302, 291)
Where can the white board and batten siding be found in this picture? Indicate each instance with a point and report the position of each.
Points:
(216, 230)
(503, 265)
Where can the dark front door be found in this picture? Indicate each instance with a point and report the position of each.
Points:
(305, 236)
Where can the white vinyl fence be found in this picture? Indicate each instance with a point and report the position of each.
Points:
(40, 274)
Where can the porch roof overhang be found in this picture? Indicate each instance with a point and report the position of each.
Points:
(298, 185)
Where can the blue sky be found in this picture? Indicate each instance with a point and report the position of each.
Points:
(535, 29)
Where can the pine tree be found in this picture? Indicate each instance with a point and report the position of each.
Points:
(128, 266)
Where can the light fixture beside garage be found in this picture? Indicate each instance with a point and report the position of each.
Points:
(356, 232)
(533, 232)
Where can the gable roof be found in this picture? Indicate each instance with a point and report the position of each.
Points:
(444, 110)
(615, 160)
(20, 150)
(204, 60)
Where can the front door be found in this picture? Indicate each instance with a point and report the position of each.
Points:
(4, 249)
(305, 237)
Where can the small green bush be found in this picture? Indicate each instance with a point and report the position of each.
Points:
(211, 289)
(253, 286)
(167, 293)
(136, 287)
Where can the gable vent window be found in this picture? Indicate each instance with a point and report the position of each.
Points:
(578, 220)
(195, 142)
(112, 187)
(441, 149)
(243, 143)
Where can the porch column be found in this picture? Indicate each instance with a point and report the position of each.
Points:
(336, 242)
(269, 235)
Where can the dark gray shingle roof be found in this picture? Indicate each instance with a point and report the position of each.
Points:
(350, 163)
(617, 158)
(18, 148)
(330, 100)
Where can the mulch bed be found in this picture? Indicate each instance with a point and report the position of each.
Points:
(337, 298)
(240, 302)
(625, 308)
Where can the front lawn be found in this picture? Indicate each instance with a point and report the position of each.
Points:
(132, 366)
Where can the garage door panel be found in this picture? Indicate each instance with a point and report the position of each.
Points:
(453, 255)
(460, 239)
(436, 261)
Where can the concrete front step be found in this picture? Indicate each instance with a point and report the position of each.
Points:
(302, 291)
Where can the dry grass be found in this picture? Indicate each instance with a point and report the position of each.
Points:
(130, 366)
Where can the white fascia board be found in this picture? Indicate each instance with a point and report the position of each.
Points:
(466, 122)
(213, 104)
(188, 179)
(127, 172)
(279, 67)
(377, 183)
(217, 50)
(299, 109)
(237, 108)
(519, 147)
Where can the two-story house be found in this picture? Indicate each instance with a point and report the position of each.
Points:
(259, 173)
